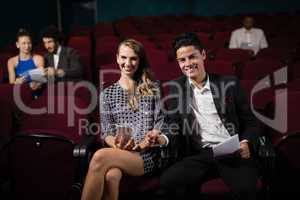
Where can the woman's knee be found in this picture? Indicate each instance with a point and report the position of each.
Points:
(99, 159)
(113, 175)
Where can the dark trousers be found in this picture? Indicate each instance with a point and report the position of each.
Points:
(185, 176)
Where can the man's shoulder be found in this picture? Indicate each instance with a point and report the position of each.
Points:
(258, 30)
(237, 31)
(175, 85)
(68, 50)
(181, 80)
(47, 56)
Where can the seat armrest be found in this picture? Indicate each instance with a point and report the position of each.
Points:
(82, 154)
(82, 149)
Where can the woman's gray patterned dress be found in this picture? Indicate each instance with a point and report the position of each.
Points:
(115, 111)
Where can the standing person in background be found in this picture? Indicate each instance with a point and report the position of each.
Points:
(62, 63)
(248, 37)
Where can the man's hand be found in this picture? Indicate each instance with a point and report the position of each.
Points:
(155, 138)
(244, 150)
(60, 73)
(49, 71)
(152, 139)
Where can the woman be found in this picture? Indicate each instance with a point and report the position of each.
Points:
(132, 102)
(25, 61)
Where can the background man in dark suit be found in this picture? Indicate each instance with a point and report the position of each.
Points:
(209, 109)
(62, 62)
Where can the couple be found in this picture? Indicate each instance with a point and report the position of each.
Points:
(135, 99)
(61, 63)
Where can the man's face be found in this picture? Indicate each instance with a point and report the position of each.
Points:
(191, 61)
(248, 23)
(50, 44)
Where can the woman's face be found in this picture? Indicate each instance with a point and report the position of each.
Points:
(127, 60)
(24, 44)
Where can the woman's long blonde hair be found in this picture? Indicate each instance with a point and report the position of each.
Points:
(143, 80)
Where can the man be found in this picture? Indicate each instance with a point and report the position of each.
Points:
(209, 109)
(62, 63)
(248, 37)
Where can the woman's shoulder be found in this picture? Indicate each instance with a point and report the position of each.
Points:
(110, 90)
(12, 61)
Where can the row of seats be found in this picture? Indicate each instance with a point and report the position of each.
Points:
(252, 70)
(160, 61)
(97, 45)
(153, 25)
(58, 152)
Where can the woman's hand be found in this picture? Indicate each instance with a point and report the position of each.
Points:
(35, 85)
(123, 142)
(20, 80)
(152, 139)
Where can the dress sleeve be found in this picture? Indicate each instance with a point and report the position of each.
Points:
(106, 117)
(159, 115)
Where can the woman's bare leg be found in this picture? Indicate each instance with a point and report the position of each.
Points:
(104, 159)
(112, 181)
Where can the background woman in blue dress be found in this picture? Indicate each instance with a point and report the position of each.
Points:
(25, 61)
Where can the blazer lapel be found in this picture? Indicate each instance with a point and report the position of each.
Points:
(188, 95)
(50, 60)
(217, 94)
(187, 112)
(61, 60)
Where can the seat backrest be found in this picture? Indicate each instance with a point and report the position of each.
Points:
(10, 106)
(220, 67)
(58, 117)
(41, 167)
(4, 56)
(256, 70)
(108, 74)
(234, 55)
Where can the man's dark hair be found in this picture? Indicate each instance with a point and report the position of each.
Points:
(187, 39)
(51, 32)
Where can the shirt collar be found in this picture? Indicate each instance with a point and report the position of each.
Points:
(206, 86)
(58, 51)
(247, 31)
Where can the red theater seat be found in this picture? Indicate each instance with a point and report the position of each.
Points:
(220, 67)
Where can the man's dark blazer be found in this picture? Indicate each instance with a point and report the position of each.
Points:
(69, 61)
(231, 105)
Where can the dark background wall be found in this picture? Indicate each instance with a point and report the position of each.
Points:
(231, 7)
(109, 10)
(29, 14)
(35, 15)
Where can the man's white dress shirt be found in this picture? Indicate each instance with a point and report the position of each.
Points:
(212, 129)
(253, 39)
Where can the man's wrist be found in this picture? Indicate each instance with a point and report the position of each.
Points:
(165, 139)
